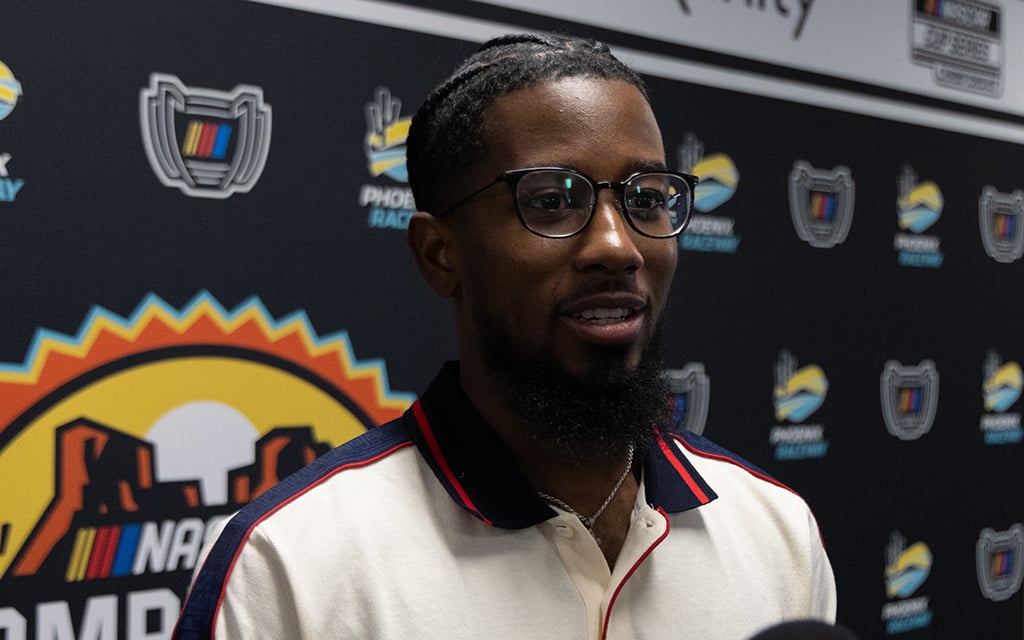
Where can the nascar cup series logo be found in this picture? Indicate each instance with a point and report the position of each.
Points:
(1001, 388)
(719, 179)
(690, 397)
(999, 556)
(999, 218)
(207, 143)
(919, 206)
(390, 205)
(798, 393)
(909, 396)
(125, 444)
(906, 569)
(962, 41)
(821, 204)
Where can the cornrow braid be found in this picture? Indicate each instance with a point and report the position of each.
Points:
(446, 135)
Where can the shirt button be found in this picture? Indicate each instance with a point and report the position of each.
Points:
(565, 531)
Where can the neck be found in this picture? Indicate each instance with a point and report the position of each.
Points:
(583, 484)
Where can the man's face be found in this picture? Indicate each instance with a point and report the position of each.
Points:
(587, 303)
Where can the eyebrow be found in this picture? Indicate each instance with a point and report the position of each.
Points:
(628, 168)
(645, 165)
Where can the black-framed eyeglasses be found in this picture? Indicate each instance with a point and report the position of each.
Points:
(554, 202)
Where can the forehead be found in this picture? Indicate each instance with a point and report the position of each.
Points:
(602, 127)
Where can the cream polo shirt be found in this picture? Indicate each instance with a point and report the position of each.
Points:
(424, 528)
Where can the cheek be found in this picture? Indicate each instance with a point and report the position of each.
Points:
(660, 260)
(498, 274)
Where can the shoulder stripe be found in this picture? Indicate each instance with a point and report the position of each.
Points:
(683, 473)
(715, 452)
(198, 619)
(435, 451)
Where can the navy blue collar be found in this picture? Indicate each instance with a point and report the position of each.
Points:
(479, 473)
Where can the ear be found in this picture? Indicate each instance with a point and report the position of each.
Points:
(432, 243)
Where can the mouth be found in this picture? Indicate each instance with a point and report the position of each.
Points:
(602, 315)
(608, 318)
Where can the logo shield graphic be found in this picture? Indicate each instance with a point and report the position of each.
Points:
(909, 397)
(821, 204)
(690, 399)
(999, 561)
(999, 218)
(207, 143)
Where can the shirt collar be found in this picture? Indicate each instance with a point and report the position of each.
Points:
(480, 475)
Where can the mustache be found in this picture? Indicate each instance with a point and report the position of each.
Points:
(602, 286)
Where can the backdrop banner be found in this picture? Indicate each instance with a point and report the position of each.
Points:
(206, 283)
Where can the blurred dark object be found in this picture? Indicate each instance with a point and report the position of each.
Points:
(805, 630)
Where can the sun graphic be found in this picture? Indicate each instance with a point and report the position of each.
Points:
(196, 388)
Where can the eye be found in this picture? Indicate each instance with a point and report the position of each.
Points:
(645, 198)
(552, 200)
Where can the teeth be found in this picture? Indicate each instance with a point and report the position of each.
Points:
(604, 316)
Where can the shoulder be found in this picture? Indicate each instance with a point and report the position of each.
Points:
(361, 453)
(766, 526)
(705, 454)
(245, 551)
(745, 490)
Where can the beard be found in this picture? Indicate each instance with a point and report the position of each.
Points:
(583, 418)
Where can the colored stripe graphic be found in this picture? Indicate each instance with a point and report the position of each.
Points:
(822, 205)
(103, 552)
(206, 140)
(220, 144)
(1002, 563)
(80, 554)
(188, 147)
(126, 547)
(1005, 225)
(910, 400)
(933, 7)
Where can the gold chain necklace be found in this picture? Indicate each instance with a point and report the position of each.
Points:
(588, 521)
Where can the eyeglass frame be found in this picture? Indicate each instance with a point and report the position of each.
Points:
(512, 178)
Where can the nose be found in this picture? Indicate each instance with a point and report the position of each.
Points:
(608, 242)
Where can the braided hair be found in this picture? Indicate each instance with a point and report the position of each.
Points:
(446, 135)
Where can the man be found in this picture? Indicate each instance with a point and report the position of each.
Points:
(531, 491)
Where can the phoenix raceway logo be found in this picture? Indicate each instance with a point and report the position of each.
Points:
(126, 443)
(962, 42)
(909, 397)
(10, 91)
(690, 399)
(821, 204)
(207, 143)
(999, 557)
(1001, 389)
(999, 218)
(906, 569)
(390, 205)
(919, 206)
(719, 180)
(9, 185)
(798, 393)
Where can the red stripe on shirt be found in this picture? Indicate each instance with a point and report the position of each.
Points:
(435, 451)
(632, 570)
(715, 456)
(683, 473)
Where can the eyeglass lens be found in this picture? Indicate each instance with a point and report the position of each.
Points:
(559, 203)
